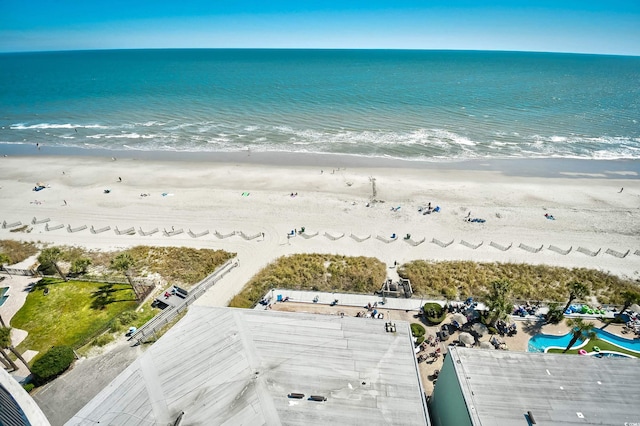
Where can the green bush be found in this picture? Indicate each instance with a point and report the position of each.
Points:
(123, 321)
(434, 313)
(53, 363)
(419, 340)
(103, 339)
(28, 387)
(417, 330)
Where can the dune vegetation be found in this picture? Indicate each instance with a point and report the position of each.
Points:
(316, 272)
(457, 280)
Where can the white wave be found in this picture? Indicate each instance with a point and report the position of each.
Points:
(22, 126)
(124, 136)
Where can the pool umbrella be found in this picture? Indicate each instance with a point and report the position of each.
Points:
(480, 328)
(466, 339)
(459, 318)
(486, 345)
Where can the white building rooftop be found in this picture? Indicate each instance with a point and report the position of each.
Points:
(235, 366)
(500, 387)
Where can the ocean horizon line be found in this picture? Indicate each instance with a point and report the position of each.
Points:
(327, 49)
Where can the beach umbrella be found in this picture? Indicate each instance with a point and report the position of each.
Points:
(480, 328)
(466, 339)
(459, 318)
(486, 345)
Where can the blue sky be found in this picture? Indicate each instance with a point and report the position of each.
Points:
(609, 27)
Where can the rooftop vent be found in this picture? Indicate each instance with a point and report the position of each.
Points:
(296, 395)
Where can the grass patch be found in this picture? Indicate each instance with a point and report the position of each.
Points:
(456, 280)
(315, 272)
(17, 251)
(603, 345)
(71, 313)
(183, 266)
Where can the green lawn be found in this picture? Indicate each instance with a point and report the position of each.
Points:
(72, 312)
(604, 346)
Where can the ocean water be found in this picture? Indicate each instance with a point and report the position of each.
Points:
(423, 105)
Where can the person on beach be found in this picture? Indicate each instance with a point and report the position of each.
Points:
(620, 190)
(119, 179)
(65, 202)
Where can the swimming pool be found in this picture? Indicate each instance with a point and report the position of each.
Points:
(541, 342)
(3, 294)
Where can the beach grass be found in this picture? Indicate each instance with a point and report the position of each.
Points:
(457, 280)
(71, 313)
(17, 251)
(184, 266)
(316, 272)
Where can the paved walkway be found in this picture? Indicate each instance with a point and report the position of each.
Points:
(65, 396)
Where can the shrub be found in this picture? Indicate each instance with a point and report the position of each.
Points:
(53, 363)
(434, 313)
(28, 387)
(80, 265)
(122, 321)
(417, 330)
(102, 340)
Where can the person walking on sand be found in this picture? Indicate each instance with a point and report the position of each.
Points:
(119, 179)
(65, 202)
(620, 190)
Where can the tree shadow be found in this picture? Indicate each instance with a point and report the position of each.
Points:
(106, 295)
(532, 327)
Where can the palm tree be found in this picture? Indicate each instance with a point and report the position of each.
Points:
(498, 301)
(4, 259)
(124, 263)
(630, 297)
(577, 290)
(80, 265)
(579, 330)
(51, 256)
(5, 343)
(5, 340)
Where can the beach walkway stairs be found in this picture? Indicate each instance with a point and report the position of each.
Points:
(148, 330)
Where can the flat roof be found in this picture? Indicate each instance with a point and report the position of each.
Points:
(499, 387)
(238, 366)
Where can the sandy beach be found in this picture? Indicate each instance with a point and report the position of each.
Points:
(337, 205)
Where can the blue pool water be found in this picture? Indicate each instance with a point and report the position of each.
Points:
(3, 296)
(541, 342)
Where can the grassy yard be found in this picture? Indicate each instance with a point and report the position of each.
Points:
(604, 346)
(71, 313)
(316, 272)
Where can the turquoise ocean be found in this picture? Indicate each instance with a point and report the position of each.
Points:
(413, 105)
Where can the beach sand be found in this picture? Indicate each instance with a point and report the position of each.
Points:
(332, 201)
